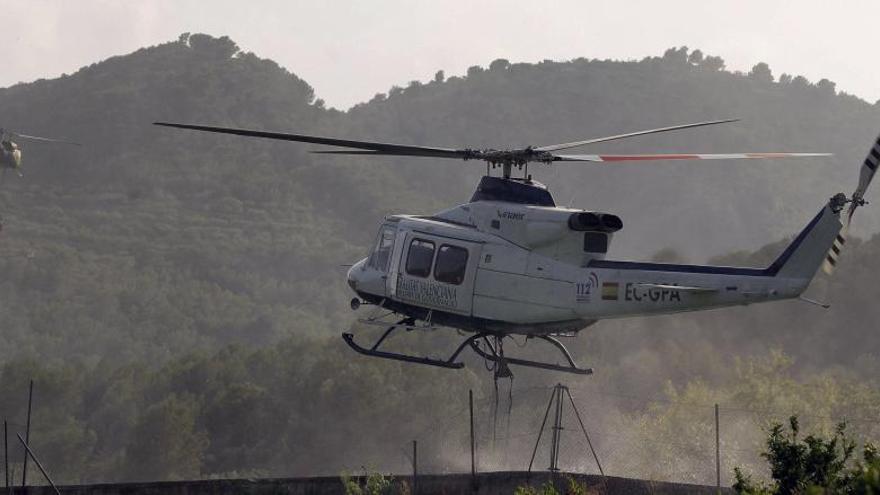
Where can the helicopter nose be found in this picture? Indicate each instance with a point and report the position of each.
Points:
(352, 275)
(352, 282)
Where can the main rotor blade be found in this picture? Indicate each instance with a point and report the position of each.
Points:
(426, 154)
(713, 156)
(372, 146)
(45, 140)
(563, 146)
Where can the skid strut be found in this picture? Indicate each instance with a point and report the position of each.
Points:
(498, 356)
(494, 353)
(408, 322)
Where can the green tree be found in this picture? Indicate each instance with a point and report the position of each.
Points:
(866, 476)
(713, 63)
(761, 73)
(826, 86)
(499, 65)
(573, 487)
(166, 443)
(374, 484)
(801, 82)
(800, 465)
(474, 71)
(676, 55)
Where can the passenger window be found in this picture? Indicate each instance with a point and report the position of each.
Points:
(595, 242)
(420, 258)
(451, 264)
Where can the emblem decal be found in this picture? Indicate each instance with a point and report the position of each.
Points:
(584, 290)
(609, 291)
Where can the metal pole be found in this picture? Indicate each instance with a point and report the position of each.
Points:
(27, 434)
(557, 426)
(37, 462)
(6, 453)
(554, 430)
(415, 467)
(717, 452)
(541, 431)
(584, 429)
(473, 442)
(561, 418)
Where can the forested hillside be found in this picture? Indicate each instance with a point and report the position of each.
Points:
(178, 296)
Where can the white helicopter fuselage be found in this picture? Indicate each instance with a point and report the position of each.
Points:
(511, 262)
(538, 269)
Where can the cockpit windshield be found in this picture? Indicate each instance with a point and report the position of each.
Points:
(381, 254)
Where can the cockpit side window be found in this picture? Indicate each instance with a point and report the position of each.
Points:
(382, 252)
(420, 258)
(451, 264)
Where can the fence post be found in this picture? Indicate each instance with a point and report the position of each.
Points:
(415, 467)
(30, 453)
(6, 454)
(473, 442)
(27, 436)
(717, 452)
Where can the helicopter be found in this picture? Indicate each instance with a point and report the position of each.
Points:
(10, 152)
(511, 262)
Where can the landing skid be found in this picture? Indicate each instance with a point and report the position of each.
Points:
(498, 357)
(495, 352)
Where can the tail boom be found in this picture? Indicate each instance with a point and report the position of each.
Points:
(654, 288)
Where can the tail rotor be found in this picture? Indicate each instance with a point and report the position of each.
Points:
(869, 167)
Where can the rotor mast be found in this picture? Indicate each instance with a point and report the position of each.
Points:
(506, 170)
(508, 159)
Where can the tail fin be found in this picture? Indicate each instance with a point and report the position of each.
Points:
(803, 257)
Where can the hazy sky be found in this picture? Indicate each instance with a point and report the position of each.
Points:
(350, 50)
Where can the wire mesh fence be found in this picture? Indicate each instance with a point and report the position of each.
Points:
(654, 437)
(645, 437)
